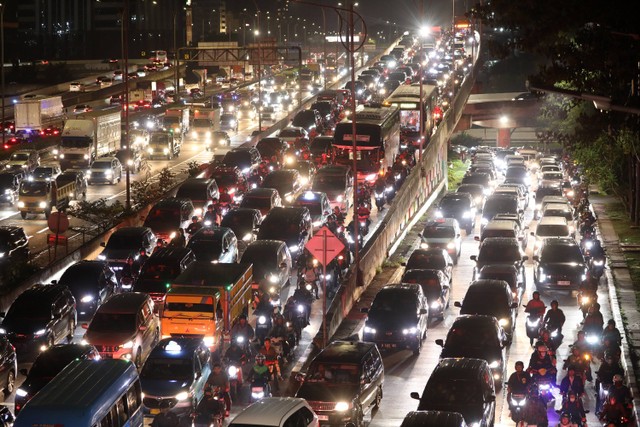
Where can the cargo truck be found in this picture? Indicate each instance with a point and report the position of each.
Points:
(205, 300)
(38, 113)
(41, 196)
(163, 144)
(177, 119)
(89, 136)
(205, 122)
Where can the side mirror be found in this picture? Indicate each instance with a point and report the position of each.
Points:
(299, 377)
(491, 398)
(525, 258)
(414, 395)
(473, 257)
(103, 244)
(457, 304)
(440, 342)
(514, 305)
(24, 371)
(142, 328)
(536, 258)
(476, 238)
(85, 326)
(423, 311)
(364, 310)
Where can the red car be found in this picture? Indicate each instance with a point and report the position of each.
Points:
(50, 131)
(9, 127)
(141, 105)
(10, 142)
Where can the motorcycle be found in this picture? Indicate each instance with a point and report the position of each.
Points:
(260, 388)
(594, 344)
(381, 198)
(545, 384)
(534, 321)
(234, 372)
(351, 236)
(516, 406)
(211, 410)
(555, 334)
(603, 394)
(596, 267)
(586, 298)
(281, 344)
(263, 326)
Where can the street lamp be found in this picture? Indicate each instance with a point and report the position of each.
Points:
(4, 129)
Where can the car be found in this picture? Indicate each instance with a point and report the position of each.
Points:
(508, 273)
(105, 82)
(305, 168)
(99, 79)
(309, 120)
(201, 192)
(337, 182)
(318, 205)
(272, 265)
(483, 179)
(272, 148)
(501, 250)
(76, 87)
(221, 138)
(244, 158)
(287, 182)
(115, 100)
(9, 185)
(550, 227)
(229, 179)
(320, 149)
(91, 283)
(244, 222)
(8, 367)
(50, 131)
(277, 412)
(398, 318)
(477, 191)
(117, 75)
(141, 104)
(559, 265)
(175, 375)
(124, 327)
(47, 172)
(229, 121)
(492, 298)
(353, 387)
(289, 224)
(47, 365)
(79, 177)
(55, 321)
(82, 108)
(500, 204)
(168, 215)
(126, 243)
(544, 191)
(459, 206)
(293, 134)
(14, 246)
(25, 160)
(463, 385)
(443, 233)
(432, 259)
(105, 170)
(433, 418)
(435, 287)
(562, 210)
(503, 228)
(480, 337)
(214, 244)
(130, 159)
(262, 199)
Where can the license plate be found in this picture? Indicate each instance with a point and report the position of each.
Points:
(154, 411)
(323, 417)
(256, 389)
(388, 346)
(564, 282)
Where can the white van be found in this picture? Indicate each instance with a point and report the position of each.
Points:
(277, 412)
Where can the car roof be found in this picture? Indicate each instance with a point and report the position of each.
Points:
(401, 287)
(132, 231)
(442, 222)
(344, 352)
(474, 319)
(124, 303)
(70, 350)
(261, 245)
(176, 348)
(170, 252)
(560, 241)
(488, 284)
(269, 411)
(9, 228)
(448, 366)
(552, 220)
(49, 292)
(289, 211)
(500, 241)
(499, 223)
(433, 418)
(105, 159)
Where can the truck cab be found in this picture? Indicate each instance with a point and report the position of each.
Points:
(40, 196)
(163, 145)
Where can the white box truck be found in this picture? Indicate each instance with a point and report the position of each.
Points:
(205, 122)
(177, 120)
(38, 113)
(89, 136)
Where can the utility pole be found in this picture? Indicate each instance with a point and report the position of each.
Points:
(125, 99)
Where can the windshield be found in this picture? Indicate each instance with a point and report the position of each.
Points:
(190, 307)
(33, 188)
(327, 183)
(552, 176)
(168, 370)
(470, 337)
(19, 156)
(436, 232)
(320, 145)
(490, 302)
(207, 250)
(391, 303)
(164, 216)
(47, 366)
(314, 206)
(254, 202)
(561, 254)
(454, 204)
(333, 374)
(201, 123)
(242, 159)
(113, 322)
(193, 192)
(443, 391)
(119, 241)
(101, 165)
(426, 261)
(159, 139)
(225, 179)
(171, 120)
(281, 182)
(544, 230)
(506, 205)
(76, 142)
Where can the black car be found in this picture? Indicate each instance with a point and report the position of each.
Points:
(434, 286)
(560, 265)
(168, 215)
(287, 181)
(272, 148)
(244, 158)
(321, 145)
(460, 206)
(47, 365)
(478, 337)
(501, 250)
(432, 259)
(39, 318)
(397, 318)
(125, 243)
(214, 244)
(8, 366)
(244, 222)
(477, 191)
(492, 298)
(500, 204)
(291, 225)
(91, 283)
(14, 245)
(201, 192)
(272, 264)
(478, 178)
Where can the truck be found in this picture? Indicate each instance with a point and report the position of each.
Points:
(37, 113)
(205, 122)
(177, 119)
(163, 144)
(41, 196)
(89, 136)
(205, 300)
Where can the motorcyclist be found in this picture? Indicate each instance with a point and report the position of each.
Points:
(271, 355)
(364, 213)
(211, 217)
(542, 364)
(535, 411)
(339, 215)
(597, 251)
(621, 391)
(594, 321)
(142, 259)
(572, 382)
(159, 245)
(610, 331)
(225, 197)
(545, 337)
(263, 169)
(195, 225)
(379, 188)
(165, 418)
(518, 381)
(574, 408)
(554, 318)
(255, 179)
(613, 411)
(311, 273)
(259, 372)
(611, 347)
(179, 241)
(242, 328)
(235, 353)
(218, 378)
(580, 363)
(565, 420)
(279, 330)
(581, 343)
(605, 373)
(535, 306)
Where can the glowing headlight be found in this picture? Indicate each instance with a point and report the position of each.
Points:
(40, 332)
(340, 198)
(369, 330)
(262, 320)
(317, 223)
(21, 204)
(21, 393)
(86, 157)
(294, 248)
(342, 406)
(165, 151)
(533, 323)
(407, 331)
(247, 237)
(516, 402)
(504, 321)
(108, 172)
(172, 235)
(62, 156)
(592, 339)
(128, 344)
(273, 278)
(209, 341)
(150, 150)
(543, 277)
(289, 198)
(301, 310)
(424, 245)
(487, 191)
(494, 364)
(485, 221)
(86, 298)
(42, 205)
(435, 305)
(451, 245)
(585, 300)
(467, 214)
(183, 395)
(208, 134)
(598, 263)
(232, 371)
(583, 277)
(439, 214)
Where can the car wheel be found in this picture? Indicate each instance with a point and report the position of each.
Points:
(138, 359)
(376, 402)
(23, 215)
(417, 348)
(72, 330)
(11, 383)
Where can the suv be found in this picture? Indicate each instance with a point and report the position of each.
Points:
(291, 225)
(500, 250)
(9, 185)
(168, 215)
(55, 320)
(49, 364)
(559, 264)
(398, 317)
(262, 199)
(343, 382)
(124, 327)
(244, 158)
(14, 245)
(459, 206)
(277, 412)
(549, 227)
(175, 374)
(91, 283)
(105, 170)
(125, 243)
(8, 367)
(214, 244)
(500, 204)
(443, 234)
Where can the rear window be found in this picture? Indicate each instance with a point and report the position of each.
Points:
(552, 230)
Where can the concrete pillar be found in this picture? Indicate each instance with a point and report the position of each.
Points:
(504, 138)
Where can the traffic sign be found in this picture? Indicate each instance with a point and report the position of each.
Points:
(58, 222)
(325, 246)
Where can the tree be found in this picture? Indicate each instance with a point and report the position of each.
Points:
(98, 212)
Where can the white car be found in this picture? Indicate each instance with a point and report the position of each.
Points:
(76, 87)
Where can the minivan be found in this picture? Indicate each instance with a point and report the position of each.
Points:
(550, 226)
(337, 182)
(125, 327)
(272, 264)
(125, 243)
(262, 199)
(244, 158)
(343, 382)
(461, 385)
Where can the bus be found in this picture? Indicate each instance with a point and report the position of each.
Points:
(377, 140)
(407, 99)
(88, 393)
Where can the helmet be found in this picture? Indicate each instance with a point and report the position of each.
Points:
(260, 358)
(617, 378)
(565, 415)
(608, 354)
(554, 302)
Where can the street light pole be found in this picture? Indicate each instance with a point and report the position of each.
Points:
(4, 128)
(125, 79)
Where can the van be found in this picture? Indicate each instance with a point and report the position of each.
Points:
(337, 182)
(463, 385)
(551, 226)
(291, 225)
(433, 419)
(277, 412)
(125, 327)
(344, 366)
(168, 215)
